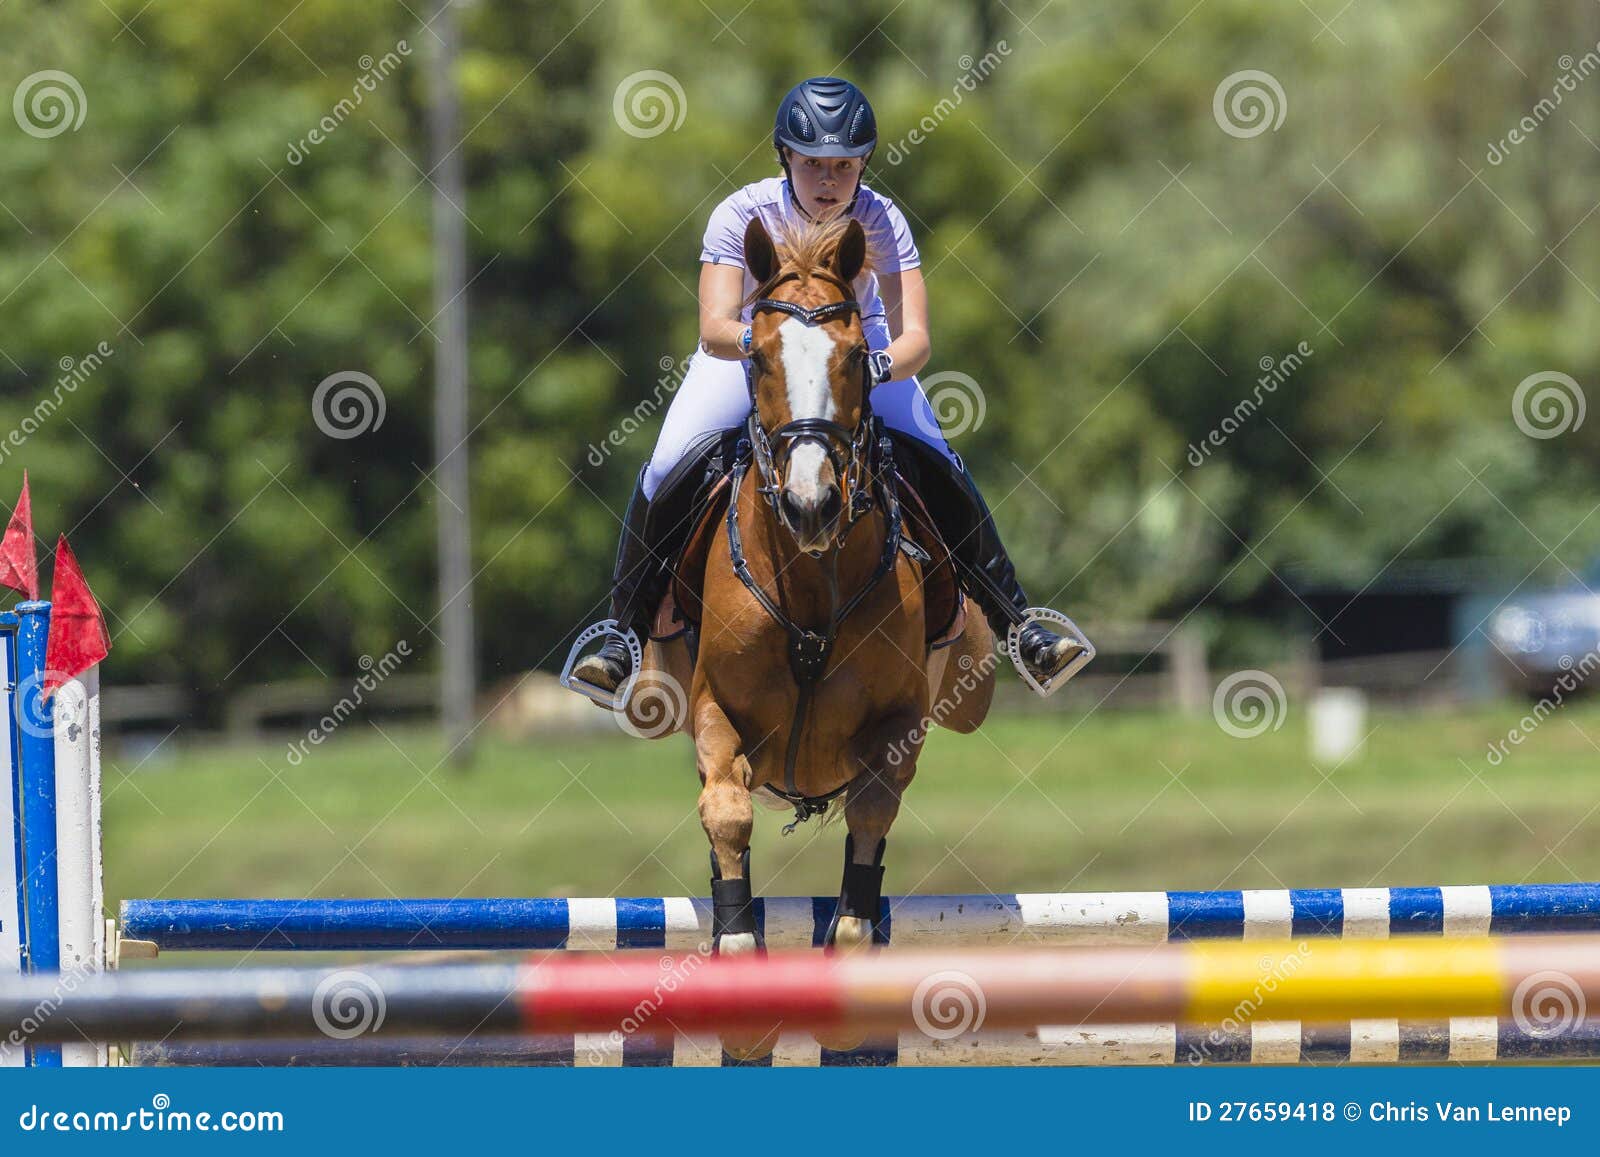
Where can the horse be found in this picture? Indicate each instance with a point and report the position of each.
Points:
(813, 678)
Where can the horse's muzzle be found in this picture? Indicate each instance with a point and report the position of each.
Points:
(813, 522)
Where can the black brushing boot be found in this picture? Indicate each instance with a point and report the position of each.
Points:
(733, 906)
(860, 892)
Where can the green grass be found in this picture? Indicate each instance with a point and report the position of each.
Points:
(1030, 804)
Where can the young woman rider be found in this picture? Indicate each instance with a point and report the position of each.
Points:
(824, 135)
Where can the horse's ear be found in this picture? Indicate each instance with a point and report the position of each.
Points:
(759, 256)
(851, 254)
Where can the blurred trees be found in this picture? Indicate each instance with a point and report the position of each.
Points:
(1109, 264)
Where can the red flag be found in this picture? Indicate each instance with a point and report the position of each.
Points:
(78, 638)
(19, 566)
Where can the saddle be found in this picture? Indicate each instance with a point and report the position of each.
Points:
(944, 605)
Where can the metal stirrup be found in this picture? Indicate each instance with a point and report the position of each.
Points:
(1067, 629)
(615, 700)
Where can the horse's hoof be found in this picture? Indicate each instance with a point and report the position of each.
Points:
(735, 944)
(840, 1040)
(852, 934)
(744, 1046)
(749, 1048)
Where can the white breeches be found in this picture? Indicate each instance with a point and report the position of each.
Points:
(713, 396)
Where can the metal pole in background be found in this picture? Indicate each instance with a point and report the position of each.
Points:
(450, 415)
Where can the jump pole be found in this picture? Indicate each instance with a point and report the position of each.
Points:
(1200, 982)
(681, 922)
(1461, 1040)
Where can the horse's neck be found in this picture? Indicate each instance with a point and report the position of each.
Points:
(798, 581)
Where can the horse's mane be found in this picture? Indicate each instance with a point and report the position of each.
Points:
(806, 246)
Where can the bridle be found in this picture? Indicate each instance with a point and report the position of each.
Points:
(773, 451)
(862, 473)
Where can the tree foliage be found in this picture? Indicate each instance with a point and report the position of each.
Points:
(1109, 264)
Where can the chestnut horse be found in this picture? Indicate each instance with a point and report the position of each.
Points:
(814, 678)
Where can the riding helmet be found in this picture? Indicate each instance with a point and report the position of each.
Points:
(825, 117)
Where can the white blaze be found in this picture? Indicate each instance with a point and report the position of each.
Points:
(805, 351)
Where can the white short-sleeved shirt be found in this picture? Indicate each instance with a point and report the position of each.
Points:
(887, 234)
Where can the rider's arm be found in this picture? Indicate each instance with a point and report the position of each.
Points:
(905, 301)
(721, 299)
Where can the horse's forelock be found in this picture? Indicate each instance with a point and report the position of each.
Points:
(805, 247)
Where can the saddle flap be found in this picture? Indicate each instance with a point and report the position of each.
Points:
(941, 593)
(689, 573)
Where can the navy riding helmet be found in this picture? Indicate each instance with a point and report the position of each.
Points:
(825, 117)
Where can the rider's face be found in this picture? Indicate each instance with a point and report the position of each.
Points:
(824, 184)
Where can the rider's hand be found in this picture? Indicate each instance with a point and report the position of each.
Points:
(880, 367)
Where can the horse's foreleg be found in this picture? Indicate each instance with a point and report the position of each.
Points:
(727, 816)
(886, 759)
(887, 762)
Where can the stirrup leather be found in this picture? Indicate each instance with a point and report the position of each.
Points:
(1064, 627)
(611, 629)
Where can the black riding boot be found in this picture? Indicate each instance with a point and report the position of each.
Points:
(636, 589)
(986, 573)
(654, 532)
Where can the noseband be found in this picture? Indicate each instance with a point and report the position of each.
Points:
(773, 450)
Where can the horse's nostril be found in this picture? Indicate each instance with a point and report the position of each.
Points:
(832, 503)
(791, 507)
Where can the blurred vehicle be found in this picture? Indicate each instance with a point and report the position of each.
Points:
(1545, 636)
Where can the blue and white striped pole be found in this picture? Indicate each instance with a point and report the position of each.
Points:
(13, 911)
(36, 775)
(681, 922)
